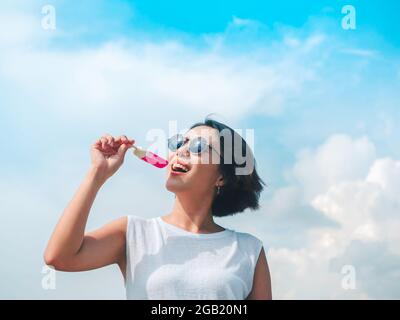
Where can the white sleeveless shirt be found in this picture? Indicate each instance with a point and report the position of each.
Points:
(167, 262)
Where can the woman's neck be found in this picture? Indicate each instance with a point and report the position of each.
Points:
(193, 214)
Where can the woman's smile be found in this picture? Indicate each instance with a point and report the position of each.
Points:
(179, 167)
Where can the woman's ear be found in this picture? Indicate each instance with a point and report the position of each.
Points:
(220, 181)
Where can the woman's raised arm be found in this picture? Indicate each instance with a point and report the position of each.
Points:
(69, 248)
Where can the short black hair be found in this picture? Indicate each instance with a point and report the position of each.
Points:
(240, 191)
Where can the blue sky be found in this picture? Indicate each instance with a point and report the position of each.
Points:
(323, 102)
(208, 16)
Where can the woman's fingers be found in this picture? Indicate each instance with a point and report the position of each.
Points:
(103, 142)
(124, 139)
(118, 140)
(110, 141)
(109, 145)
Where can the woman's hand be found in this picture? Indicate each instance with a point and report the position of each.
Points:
(108, 154)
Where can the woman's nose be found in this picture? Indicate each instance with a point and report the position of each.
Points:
(183, 151)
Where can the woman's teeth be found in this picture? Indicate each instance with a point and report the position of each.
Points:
(179, 167)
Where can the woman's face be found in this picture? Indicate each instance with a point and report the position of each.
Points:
(202, 172)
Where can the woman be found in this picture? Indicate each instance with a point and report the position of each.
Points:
(184, 254)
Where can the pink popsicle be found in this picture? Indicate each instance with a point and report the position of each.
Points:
(150, 157)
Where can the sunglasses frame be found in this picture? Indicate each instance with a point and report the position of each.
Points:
(185, 140)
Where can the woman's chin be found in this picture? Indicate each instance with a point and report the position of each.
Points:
(173, 185)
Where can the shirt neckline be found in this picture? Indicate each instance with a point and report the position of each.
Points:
(192, 234)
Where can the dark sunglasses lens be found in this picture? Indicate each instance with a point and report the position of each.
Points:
(198, 145)
(175, 142)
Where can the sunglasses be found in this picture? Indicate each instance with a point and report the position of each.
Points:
(196, 146)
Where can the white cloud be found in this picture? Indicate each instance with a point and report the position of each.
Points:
(360, 52)
(343, 180)
(306, 274)
(236, 21)
(166, 77)
(386, 173)
(376, 268)
(339, 158)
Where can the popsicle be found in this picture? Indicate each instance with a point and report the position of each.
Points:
(149, 157)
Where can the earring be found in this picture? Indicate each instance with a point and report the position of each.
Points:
(218, 188)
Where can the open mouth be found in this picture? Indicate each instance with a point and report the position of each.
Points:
(177, 167)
